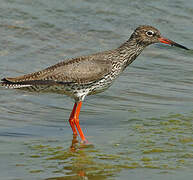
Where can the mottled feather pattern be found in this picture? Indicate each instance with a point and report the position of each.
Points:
(75, 77)
(80, 70)
(81, 76)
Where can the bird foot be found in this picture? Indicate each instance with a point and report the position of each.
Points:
(86, 143)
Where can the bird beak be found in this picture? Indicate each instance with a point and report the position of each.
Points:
(172, 43)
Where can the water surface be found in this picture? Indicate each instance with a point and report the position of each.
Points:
(141, 128)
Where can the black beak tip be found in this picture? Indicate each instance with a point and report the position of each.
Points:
(180, 46)
(186, 48)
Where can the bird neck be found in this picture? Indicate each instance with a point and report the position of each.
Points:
(130, 50)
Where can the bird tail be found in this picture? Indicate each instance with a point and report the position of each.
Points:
(13, 84)
(6, 82)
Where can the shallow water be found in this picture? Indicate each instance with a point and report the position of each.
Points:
(141, 128)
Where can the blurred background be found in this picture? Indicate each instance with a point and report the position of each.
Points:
(141, 128)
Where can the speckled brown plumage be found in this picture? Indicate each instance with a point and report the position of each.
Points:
(86, 75)
(90, 74)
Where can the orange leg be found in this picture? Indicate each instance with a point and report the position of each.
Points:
(77, 121)
(74, 121)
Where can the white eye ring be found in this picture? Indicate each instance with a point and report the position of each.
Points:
(150, 33)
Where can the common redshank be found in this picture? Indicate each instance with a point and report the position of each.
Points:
(87, 75)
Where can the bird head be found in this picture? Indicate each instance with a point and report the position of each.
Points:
(146, 35)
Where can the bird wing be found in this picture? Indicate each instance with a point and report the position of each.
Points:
(79, 70)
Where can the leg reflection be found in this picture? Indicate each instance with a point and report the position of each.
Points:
(74, 145)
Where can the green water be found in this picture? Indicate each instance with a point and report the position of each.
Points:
(141, 128)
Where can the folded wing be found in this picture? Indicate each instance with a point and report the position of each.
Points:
(79, 70)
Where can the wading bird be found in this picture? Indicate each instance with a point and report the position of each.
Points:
(87, 75)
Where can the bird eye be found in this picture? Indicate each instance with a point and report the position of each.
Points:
(149, 33)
